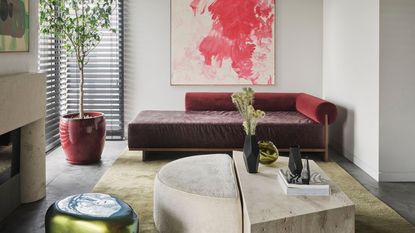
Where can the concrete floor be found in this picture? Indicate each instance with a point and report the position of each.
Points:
(64, 180)
(399, 196)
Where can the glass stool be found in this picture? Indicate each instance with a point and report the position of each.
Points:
(91, 213)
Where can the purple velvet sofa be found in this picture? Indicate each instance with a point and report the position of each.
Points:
(211, 123)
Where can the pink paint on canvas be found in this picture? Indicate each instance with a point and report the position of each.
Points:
(233, 42)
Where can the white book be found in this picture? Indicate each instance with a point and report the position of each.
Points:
(318, 185)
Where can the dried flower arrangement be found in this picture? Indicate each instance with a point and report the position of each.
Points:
(244, 103)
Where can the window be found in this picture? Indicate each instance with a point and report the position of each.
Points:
(52, 62)
(103, 80)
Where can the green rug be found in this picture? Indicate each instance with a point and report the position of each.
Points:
(131, 180)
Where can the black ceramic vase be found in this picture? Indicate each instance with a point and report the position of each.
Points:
(251, 153)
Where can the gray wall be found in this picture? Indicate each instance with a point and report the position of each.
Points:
(351, 79)
(369, 72)
(22, 61)
(147, 54)
(397, 90)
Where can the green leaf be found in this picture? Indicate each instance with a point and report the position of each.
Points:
(77, 23)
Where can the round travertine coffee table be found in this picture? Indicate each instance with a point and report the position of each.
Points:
(198, 194)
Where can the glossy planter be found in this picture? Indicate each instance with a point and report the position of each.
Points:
(82, 140)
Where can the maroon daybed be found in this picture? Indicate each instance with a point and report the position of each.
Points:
(211, 123)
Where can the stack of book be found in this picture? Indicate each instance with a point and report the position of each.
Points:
(318, 186)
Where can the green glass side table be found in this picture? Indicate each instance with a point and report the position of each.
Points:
(91, 213)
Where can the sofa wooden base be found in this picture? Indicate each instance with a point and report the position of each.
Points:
(220, 150)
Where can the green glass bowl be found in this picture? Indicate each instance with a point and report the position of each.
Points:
(268, 152)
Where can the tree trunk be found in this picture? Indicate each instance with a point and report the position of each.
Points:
(81, 93)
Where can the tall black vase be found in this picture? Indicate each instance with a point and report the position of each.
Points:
(251, 153)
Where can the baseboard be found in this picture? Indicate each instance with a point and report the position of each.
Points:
(372, 172)
(397, 176)
(367, 168)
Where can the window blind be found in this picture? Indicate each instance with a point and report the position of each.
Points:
(103, 85)
(52, 62)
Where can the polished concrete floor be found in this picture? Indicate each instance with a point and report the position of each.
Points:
(64, 179)
(399, 196)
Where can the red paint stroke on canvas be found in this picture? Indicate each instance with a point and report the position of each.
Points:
(270, 80)
(238, 26)
(194, 4)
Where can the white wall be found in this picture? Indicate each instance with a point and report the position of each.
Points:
(397, 90)
(147, 54)
(23, 61)
(351, 78)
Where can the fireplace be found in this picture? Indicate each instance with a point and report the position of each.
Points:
(9, 155)
(22, 140)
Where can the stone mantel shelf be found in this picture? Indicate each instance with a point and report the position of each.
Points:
(22, 100)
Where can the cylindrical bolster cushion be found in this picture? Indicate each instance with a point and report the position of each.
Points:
(316, 108)
(275, 101)
(209, 101)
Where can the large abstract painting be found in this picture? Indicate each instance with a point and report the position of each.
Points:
(14, 25)
(222, 42)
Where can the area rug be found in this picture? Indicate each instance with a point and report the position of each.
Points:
(132, 180)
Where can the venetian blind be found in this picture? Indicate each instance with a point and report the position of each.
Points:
(52, 62)
(103, 80)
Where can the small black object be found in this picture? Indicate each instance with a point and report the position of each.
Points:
(294, 162)
(305, 176)
(251, 153)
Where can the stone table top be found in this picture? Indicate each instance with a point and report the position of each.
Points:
(265, 201)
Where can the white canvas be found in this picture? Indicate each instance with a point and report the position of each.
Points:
(222, 42)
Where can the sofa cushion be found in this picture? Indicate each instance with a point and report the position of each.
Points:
(275, 101)
(211, 101)
(311, 106)
(316, 108)
(219, 129)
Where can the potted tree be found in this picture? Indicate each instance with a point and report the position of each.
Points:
(77, 23)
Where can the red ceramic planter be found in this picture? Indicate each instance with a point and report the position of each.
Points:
(82, 140)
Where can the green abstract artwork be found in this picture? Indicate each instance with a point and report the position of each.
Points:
(14, 25)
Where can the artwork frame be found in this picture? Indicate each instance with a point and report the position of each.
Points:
(16, 38)
(271, 62)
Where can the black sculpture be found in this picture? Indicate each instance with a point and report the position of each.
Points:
(294, 164)
(305, 176)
